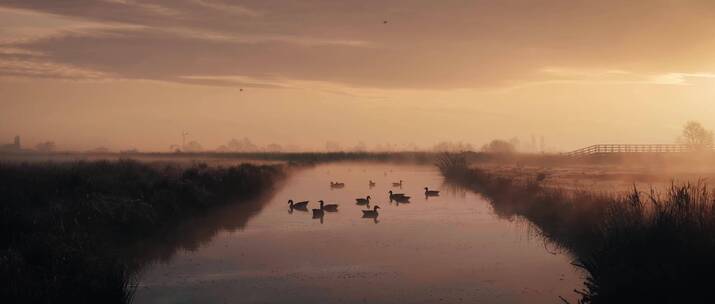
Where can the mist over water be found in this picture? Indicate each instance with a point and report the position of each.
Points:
(449, 248)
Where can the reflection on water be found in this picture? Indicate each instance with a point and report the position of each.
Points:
(447, 248)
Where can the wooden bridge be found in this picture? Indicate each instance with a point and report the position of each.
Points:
(629, 148)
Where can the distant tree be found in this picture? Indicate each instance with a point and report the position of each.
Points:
(47, 146)
(499, 146)
(243, 145)
(515, 142)
(411, 146)
(274, 148)
(99, 150)
(696, 136)
(448, 146)
(332, 146)
(360, 147)
(386, 147)
(193, 146)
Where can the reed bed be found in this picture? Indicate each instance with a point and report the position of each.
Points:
(63, 224)
(636, 247)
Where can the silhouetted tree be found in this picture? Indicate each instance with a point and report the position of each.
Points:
(499, 146)
(274, 148)
(332, 146)
(99, 150)
(360, 147)
(193, 146)
(47, 146)
(448, 146)
(696, 136)
(243, 145)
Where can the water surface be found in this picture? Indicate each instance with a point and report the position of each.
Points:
(449, 249)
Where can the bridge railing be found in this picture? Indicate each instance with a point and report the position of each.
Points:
(630, 148)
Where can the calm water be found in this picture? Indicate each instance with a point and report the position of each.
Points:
(449, 249)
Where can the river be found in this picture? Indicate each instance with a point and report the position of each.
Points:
(451, 248)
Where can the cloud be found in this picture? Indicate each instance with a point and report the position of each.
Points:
(149, 7)
(36, 68)
(425, 45)
(681, 78)
(228, 8)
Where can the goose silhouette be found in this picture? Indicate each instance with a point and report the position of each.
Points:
(370, 213)
(402, 199)
(363, 201)
(318, 213)
(429, 192)
(394, 196)
(328, 207)
(299, 205)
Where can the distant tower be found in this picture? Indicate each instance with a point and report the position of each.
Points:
(17, 142)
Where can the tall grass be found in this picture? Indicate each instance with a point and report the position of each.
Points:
(62, 225)
(636, 247)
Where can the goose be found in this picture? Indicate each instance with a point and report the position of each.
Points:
(397, 184)
(429, 192)
(372, 184)
(299, 205)
(370, 213)
(395, 195)
(337, 185)
(402, 199)
(363, 201)
(318, 212)
(328, 207)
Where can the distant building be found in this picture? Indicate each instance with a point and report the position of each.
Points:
(13, 147)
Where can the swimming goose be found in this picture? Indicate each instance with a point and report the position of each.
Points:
(337, 185)
(395, 195)
(429, 192)
(372, 184)
(363, 201)
(397, 184)
(299, 205)
(402, 199)
(318, 212)
(370, 213)
(328, 207)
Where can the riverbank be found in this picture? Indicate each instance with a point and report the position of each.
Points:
(636, 247)
(65, 225)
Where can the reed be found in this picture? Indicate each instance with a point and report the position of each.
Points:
(636, 247)
(63, 224)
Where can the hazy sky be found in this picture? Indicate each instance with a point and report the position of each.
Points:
(133, 73)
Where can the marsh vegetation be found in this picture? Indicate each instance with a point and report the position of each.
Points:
(637, 247)
(66, 227)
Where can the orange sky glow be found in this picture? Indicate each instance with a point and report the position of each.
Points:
(134, 74)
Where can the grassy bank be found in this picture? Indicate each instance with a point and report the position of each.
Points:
(64, 225)
(636, 247)
(300, 158)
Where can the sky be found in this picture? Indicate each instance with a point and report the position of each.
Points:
(128, 74)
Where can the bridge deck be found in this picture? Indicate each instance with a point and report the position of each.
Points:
(630, 148)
